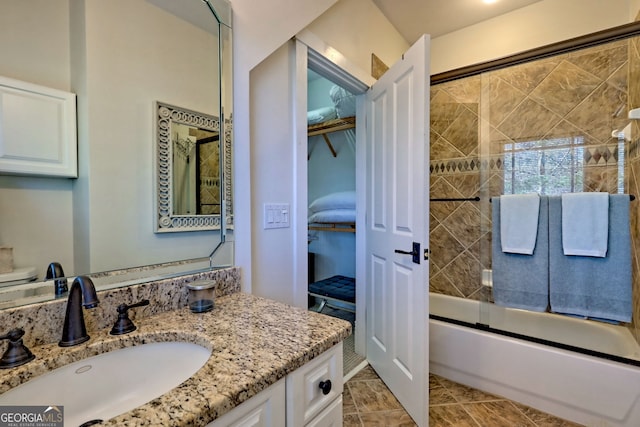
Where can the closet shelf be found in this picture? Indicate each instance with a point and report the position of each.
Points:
(345, 227)
(330, 126)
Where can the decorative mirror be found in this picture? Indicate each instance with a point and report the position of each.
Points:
(192, 161)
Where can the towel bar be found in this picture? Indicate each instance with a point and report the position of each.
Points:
(631, 197)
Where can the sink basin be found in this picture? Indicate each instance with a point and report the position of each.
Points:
(109, 384)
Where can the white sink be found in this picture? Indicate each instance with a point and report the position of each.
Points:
(109, 384)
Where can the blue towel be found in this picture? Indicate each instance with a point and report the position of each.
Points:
(521, 281)
(519, 222)
(589, 286)
(585, 223)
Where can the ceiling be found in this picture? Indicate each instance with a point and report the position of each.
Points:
(412, 18)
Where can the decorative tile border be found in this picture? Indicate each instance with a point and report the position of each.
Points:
(601, 155)
(452, 166)
(598, 155)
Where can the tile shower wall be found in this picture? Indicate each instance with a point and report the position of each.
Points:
(456, 230)
(209, 197)
(578, 98)
(633, 178)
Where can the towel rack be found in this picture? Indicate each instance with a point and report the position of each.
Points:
(631, 197)
(462, 199)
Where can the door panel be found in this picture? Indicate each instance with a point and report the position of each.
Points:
(402, 313)
(377, 173)
(397, 198)
(378, 314)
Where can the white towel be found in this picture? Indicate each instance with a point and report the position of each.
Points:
(519, 222)
(585, 224)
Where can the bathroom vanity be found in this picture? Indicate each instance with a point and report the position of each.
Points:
(268, 359)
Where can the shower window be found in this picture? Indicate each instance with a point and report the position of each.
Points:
(545, 167)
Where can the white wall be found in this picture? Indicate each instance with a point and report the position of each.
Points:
(35, 212)
(267, 274)
(536, 25)
(120, 150)
(260, 28)
(357, 28)
(41, 28)
(271, 173)
(634, 9)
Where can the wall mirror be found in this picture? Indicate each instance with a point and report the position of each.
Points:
(119, 57)
(192, 160)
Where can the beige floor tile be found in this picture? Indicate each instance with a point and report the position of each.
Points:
(499, 413)
(396, 418)
(464, 394)
(541, 419)
(367, 402)
(440, 396)
(351, 420)
(450, 416)
(433, 381)
(373, 395)
(366, 373)
(348, 405)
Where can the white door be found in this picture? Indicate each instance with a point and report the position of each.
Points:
(397, 220)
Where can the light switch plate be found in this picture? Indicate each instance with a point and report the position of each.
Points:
(276, 215)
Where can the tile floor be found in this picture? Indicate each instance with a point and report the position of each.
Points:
(367, 402)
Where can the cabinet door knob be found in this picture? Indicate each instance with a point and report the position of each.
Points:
(325, 386)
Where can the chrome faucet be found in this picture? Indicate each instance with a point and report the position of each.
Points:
(74, 331)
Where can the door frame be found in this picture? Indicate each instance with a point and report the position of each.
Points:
(311, 52)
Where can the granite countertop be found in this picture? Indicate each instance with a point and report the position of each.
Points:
(254, 342)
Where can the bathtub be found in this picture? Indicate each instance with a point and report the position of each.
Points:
(585, 389)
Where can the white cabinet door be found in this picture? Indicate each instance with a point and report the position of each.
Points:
(266, 409)
(37, 130)
(330, 417)
(311, 395)
(312, 387)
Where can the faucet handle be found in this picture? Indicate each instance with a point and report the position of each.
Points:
(124, 325)
(17, 353)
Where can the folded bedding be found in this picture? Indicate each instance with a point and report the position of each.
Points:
(337, 200)
(321, 115)
(333, 216)
(344, 101)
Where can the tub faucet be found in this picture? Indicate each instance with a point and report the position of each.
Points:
(74, 331)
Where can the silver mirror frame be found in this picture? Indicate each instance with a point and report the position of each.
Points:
(164, 219)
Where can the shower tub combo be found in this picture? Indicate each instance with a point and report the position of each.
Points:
(584, 388)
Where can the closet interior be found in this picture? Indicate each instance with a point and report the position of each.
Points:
(332, 203)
